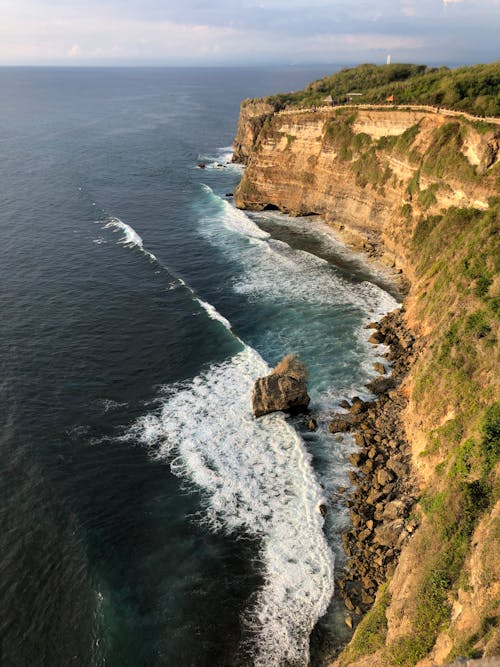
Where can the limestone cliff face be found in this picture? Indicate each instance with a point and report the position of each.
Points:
(418, 191)
(357, 169)
(253, 115)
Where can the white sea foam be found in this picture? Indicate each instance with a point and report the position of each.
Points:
(213, 313)
(222, 159)
(108, 404)
(257, 478)
(235, 219)
(296, 275)
(130, 237)
(330, 242)
(275, 271)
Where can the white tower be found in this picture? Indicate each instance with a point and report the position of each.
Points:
(389, 59)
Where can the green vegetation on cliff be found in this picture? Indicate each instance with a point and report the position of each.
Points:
(457, 256)
(371, 632)
(475, 89)
(455, 385)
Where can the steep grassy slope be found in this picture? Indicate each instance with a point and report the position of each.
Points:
(450, 608)
(443, 600)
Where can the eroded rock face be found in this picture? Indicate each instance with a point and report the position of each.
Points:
(295, 164)
(284, 389)
(253, 115)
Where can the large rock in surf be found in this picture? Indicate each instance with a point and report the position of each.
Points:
(284, 389)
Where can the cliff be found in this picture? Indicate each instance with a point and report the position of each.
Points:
(416, 190)
(370, 174)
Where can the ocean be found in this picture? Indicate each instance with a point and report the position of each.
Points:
(146, 518)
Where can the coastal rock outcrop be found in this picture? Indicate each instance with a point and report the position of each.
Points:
(283, 389)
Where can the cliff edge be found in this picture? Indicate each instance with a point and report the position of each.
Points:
(418, 191)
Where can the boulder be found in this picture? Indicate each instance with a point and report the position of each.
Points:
(279, 392)
(356, 458)
(412, 525)
(348, 603)
(384, 476)
(340, 423)
(358, 406)
(366, 598)
(284, 389)
(394, 510)
(376, 338)
(388, 534)
(381, 385)
(401, 469)
(312, 424)
(356, 519)
(367, 468)
(364, 535)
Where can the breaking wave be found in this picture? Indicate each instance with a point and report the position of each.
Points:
(257, 478)
(275, 271)
(234, 219)
(222, 159)
(130, 237)
(213, 313)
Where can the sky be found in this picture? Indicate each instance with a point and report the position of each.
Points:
(247, 32)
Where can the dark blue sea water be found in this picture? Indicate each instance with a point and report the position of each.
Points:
(146, 518)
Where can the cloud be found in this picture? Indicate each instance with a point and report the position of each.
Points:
(246, 31)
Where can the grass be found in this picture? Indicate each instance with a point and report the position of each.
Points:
(431, 614)
(444, 158)
(454, 513)
(406, 211)
(405, 140)
(339, 135)
(371, 632)
(467, 648)
(427, 197)
(413, 187)
(462, 311)
(370, 169)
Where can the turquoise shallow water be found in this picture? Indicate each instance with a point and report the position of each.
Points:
(147, 519)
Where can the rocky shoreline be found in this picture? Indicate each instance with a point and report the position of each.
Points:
(384, 488)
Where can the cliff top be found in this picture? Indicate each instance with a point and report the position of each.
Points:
(474, 89)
